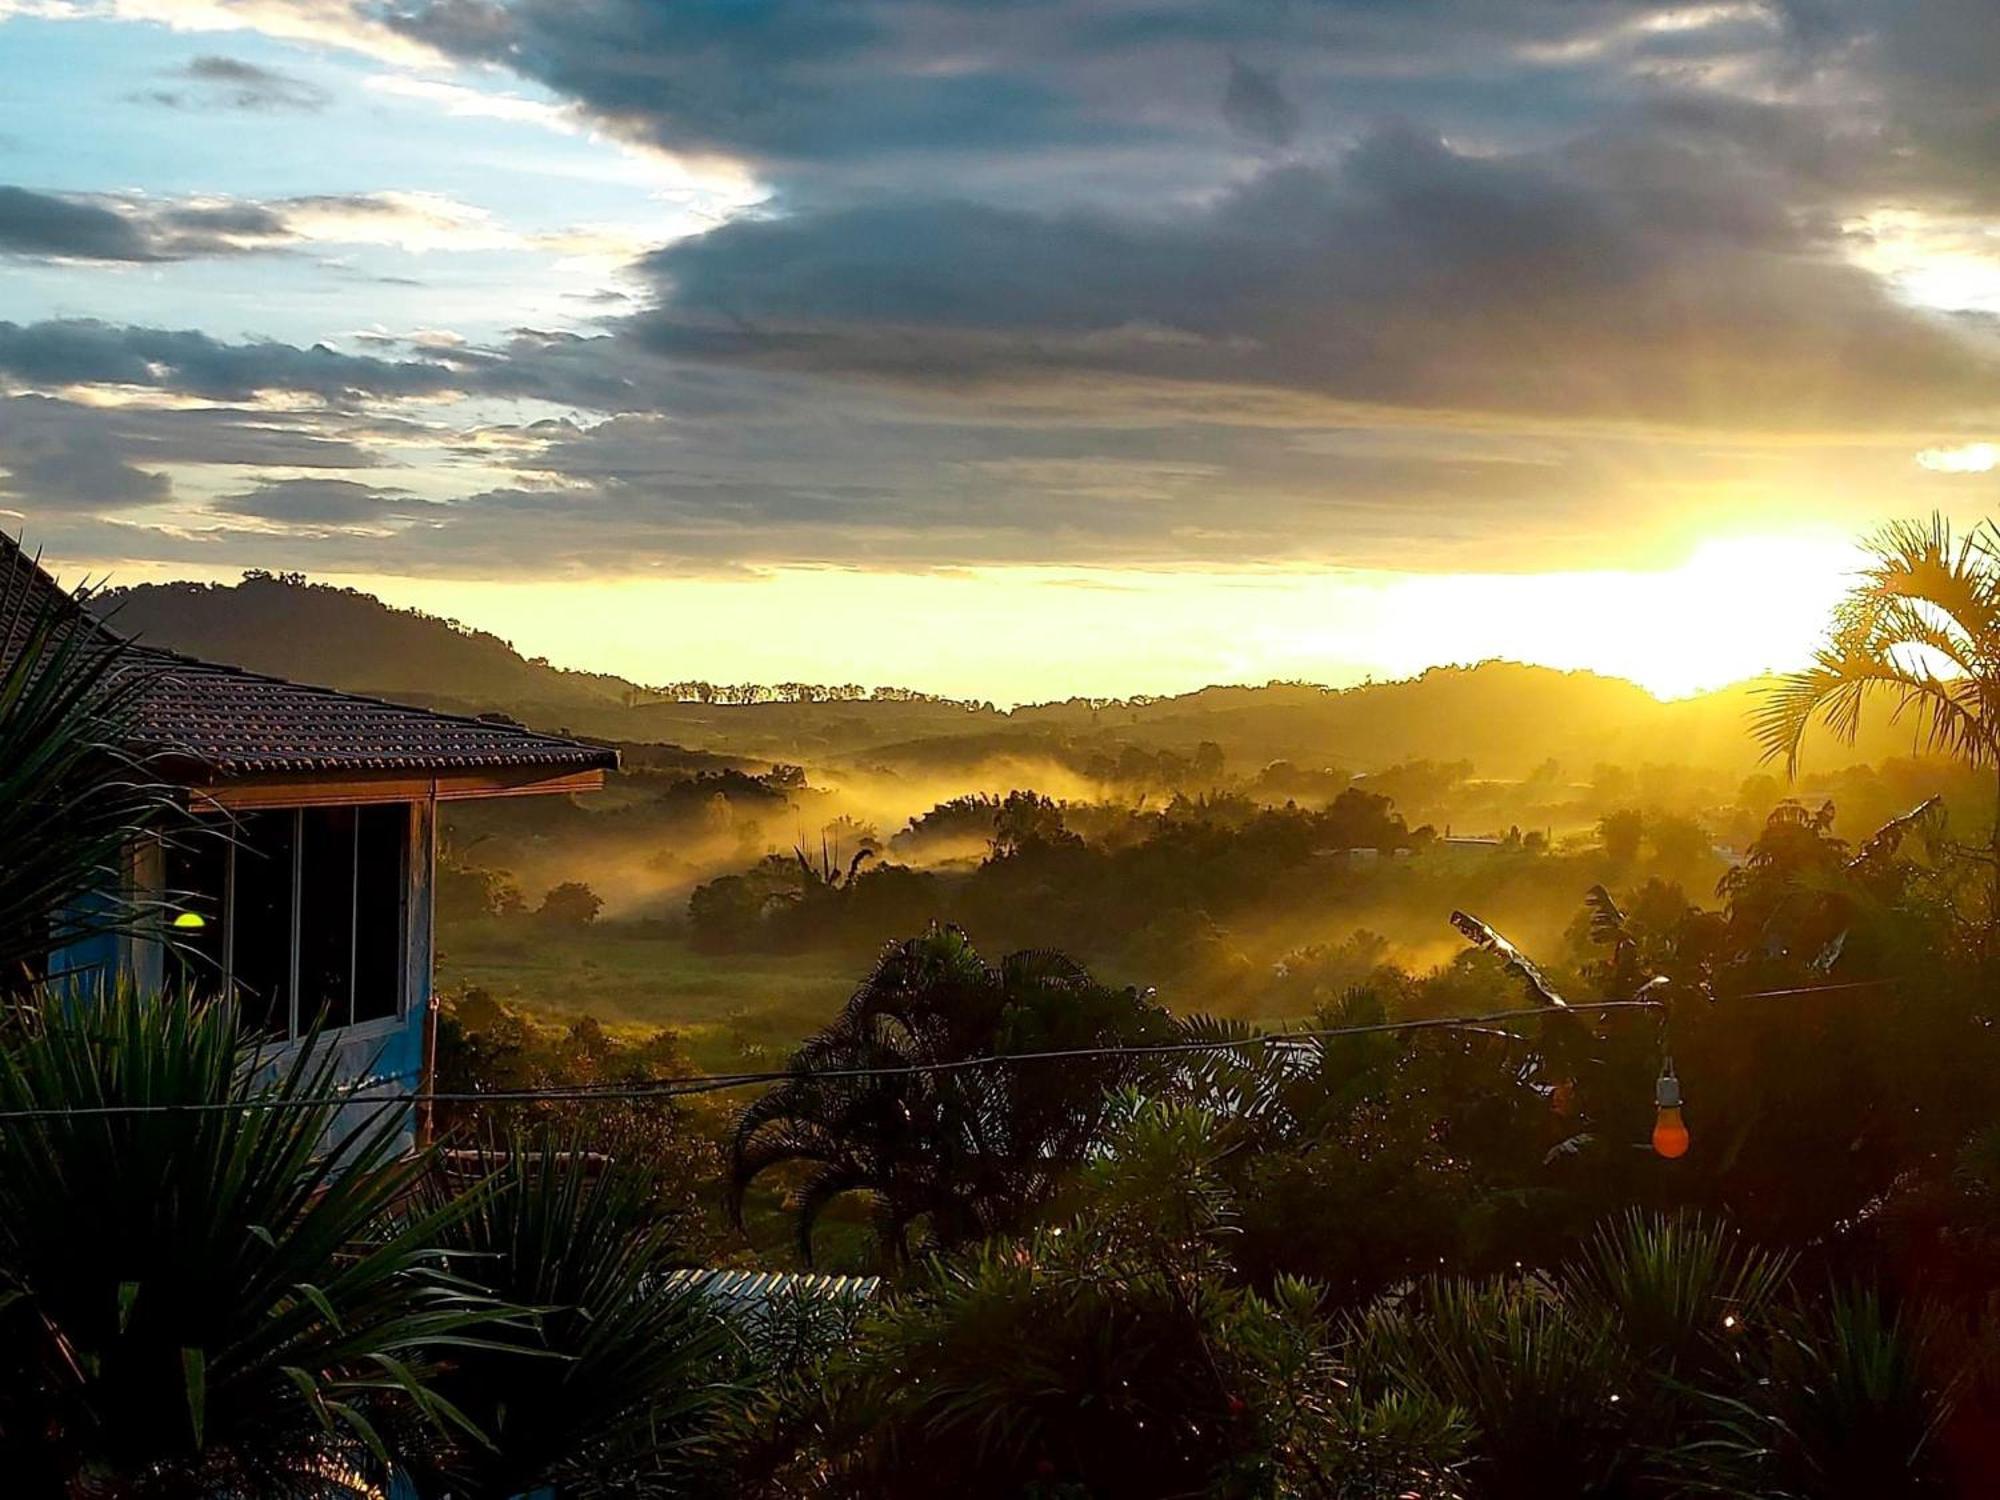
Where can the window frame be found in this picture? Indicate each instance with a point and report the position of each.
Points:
(349, 1028)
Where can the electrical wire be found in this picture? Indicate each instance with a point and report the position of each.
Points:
(674, 1088)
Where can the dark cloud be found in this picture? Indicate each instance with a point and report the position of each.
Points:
(77, 474)
(214, 82)
(75, 228)
(82, 351)
(1085, 100)
(130, 228)
(65, 456)
(316, 502)
(562, 368)
(101, 227)
(1624, 276)
(1255, 105)
(786, 80)
(1534, 277)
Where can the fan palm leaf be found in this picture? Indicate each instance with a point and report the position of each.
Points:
(72, 794)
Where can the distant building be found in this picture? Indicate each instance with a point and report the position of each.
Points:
(310, 896)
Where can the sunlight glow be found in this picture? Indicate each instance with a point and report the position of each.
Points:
(1967, 458)
(1732, 609)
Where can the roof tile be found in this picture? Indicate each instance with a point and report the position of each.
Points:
(226, 721)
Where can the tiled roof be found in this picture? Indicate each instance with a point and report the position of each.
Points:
(212, 720)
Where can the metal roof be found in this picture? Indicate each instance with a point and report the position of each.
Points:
(748, 1289)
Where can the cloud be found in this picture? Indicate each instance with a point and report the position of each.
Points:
(715, 76)
(80, 351)
(315, 502)
(136, 229)
(347, 24)
(1624, 277)
(1963, 458)
(71, 228)
(566, 369)
(216, 82)
(73, 457)
(1255, 105)
(76, 475)
(476, 104)
(1161, 282)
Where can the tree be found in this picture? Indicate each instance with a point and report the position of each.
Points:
(1620, 832)
(1921, 630)
(1026, 821)
(1680, 843)
(465, 893)
(959, 1153)
(570, 904)
(1207, 764)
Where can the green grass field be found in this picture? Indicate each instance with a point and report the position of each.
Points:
(729, 1008)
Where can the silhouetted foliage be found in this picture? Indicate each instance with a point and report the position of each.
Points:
(945, 1156)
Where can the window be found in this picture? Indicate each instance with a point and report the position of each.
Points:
(263, 866)
(326, 915)
(300, 910)
(196, 874)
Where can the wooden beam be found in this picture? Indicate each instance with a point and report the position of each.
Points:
(310, 790)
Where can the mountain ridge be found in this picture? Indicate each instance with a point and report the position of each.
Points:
(1505, 717)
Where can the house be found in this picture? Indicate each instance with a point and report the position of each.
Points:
(305, 886)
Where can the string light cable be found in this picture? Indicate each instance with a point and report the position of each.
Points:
(682, 1087)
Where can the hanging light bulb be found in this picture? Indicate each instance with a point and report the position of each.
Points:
(189, 921)
(1670, 1132)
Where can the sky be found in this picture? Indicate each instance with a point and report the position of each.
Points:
(1009, 348)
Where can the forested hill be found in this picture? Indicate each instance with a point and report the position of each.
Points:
(1502, 717)
(335, 637)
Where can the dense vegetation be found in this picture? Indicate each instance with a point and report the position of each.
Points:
(1127, 1249)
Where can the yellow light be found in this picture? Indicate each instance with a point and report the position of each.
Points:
(1670, 1132)
(189, 920)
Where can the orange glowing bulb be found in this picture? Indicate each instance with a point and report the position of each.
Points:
(1670, 1132)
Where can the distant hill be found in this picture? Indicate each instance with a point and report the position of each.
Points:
(313, 632)
(1504, 717)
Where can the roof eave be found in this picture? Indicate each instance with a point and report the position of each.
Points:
(349, 788)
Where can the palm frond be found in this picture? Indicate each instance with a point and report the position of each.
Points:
(1482, 936)
(241, 1225)
(1921, 629)
(1885, 842)
(73, 795)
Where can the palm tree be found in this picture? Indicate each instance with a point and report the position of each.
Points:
(964, 1151)
(198, 1294)
(71, 795)
(1920, 629)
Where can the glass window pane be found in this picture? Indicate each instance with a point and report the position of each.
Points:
(326, 917)
(261, 933)
(196, 874)
(378, 932)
